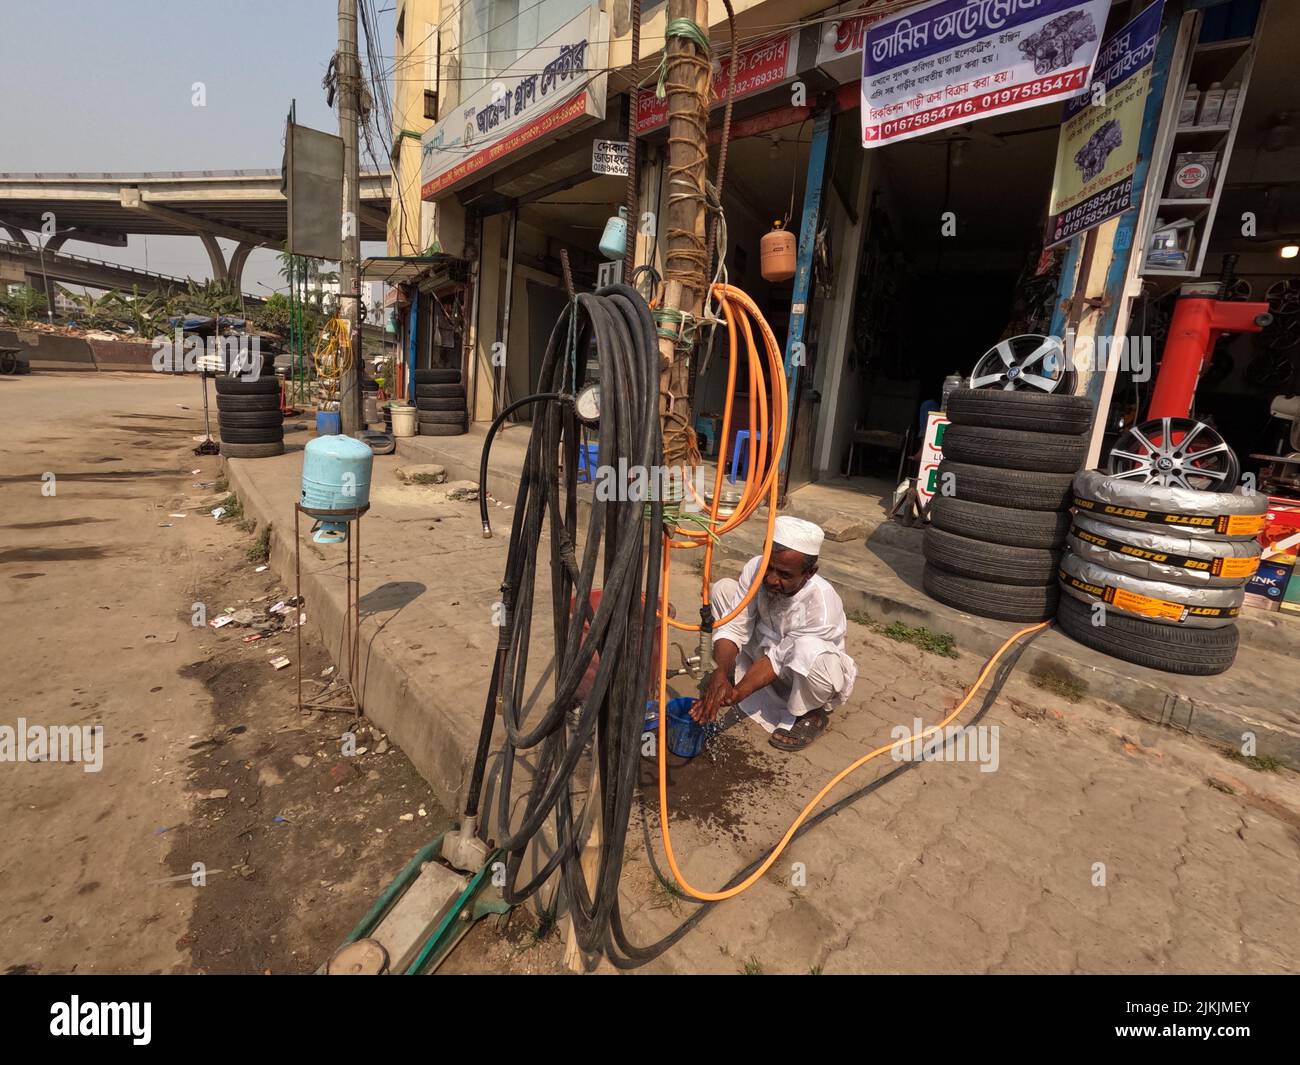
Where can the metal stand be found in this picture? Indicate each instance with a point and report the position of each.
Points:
(339, 695)
(209, 446)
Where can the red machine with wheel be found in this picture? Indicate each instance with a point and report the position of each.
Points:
(1171, 448)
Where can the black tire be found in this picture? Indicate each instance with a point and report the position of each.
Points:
(1014, 449)
(1000, 525)
(239, 386)
(440, 404)
(250, 419)
(442, 417)
(1031, 411)
(439, 429)
(440, 392)
(987, 599)
(984, 561)
(263, 435)
(1169, 648)
(245, 404)
(251, 451)
(1031, 490)
(437, 377)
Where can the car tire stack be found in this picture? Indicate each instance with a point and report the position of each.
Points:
(440, 403)
(1170, 566)
(248, 416)
(1000, 515)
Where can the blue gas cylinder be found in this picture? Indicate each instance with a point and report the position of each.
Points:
(613, 242)
(336, 477)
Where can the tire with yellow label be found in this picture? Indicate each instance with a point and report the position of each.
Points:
(1191, 652)
(1161, 556)
(1156, 601)
(1178, 511)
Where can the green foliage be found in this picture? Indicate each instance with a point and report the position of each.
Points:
(935, 643)
(23, 303)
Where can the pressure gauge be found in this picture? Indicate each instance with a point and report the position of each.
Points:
(587, 404)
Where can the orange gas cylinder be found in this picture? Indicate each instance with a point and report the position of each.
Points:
(777, 254)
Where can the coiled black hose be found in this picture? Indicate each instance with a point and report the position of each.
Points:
(618, 633)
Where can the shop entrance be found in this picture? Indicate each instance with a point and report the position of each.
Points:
(949, 261)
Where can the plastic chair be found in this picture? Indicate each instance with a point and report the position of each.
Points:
(741, 450)
(588, 460)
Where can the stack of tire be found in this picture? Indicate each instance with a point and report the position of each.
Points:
(440, 403)
(1170, 566)
(248, 416)
(1000, 513)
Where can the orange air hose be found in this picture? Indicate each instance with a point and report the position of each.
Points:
(763, 481)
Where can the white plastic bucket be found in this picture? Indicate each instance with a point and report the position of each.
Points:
(403, 420)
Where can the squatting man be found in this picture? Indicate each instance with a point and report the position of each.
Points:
(782, 658)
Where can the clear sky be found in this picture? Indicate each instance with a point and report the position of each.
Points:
(105, 85)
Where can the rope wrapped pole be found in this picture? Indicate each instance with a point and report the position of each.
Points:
(687, 79)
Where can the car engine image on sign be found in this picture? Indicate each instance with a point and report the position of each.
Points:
(1053, 47)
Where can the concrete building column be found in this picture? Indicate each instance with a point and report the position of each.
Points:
(489, 301)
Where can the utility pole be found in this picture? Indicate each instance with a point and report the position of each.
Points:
(688, 74)
(349, 87)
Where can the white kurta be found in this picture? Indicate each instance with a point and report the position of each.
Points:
(802, 635)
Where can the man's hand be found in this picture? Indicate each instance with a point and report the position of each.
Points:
(717, 694)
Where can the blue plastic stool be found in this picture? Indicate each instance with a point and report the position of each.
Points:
(588, 460)
(740, 449)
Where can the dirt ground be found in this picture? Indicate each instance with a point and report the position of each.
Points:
(226, 832)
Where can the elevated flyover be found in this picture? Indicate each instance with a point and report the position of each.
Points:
(246, 206)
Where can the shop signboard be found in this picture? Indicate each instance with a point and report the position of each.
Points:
(927, 480)
(609, 157)
(758, 68)
(1097, 152)
(560, 83)
(952, 62)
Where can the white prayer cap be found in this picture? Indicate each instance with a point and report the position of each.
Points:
(799, 535)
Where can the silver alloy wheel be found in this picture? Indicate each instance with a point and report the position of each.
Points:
(1175, 453)
(1029, 362)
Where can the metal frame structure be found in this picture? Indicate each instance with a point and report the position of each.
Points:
(337, 688)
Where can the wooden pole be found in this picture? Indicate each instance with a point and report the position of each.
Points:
(687, 79)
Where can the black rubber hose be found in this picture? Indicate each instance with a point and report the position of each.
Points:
(612, 553)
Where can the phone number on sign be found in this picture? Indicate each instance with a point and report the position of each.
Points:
(989, 101)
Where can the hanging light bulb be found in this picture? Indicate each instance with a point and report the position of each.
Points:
(832, 33)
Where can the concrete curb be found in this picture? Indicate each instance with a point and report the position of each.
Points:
(437, 742)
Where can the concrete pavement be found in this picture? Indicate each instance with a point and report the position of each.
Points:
(1098, 843)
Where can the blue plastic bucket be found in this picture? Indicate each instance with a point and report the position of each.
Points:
(686, 736)
(327, 423)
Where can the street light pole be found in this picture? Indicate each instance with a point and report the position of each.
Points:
(349, 89)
